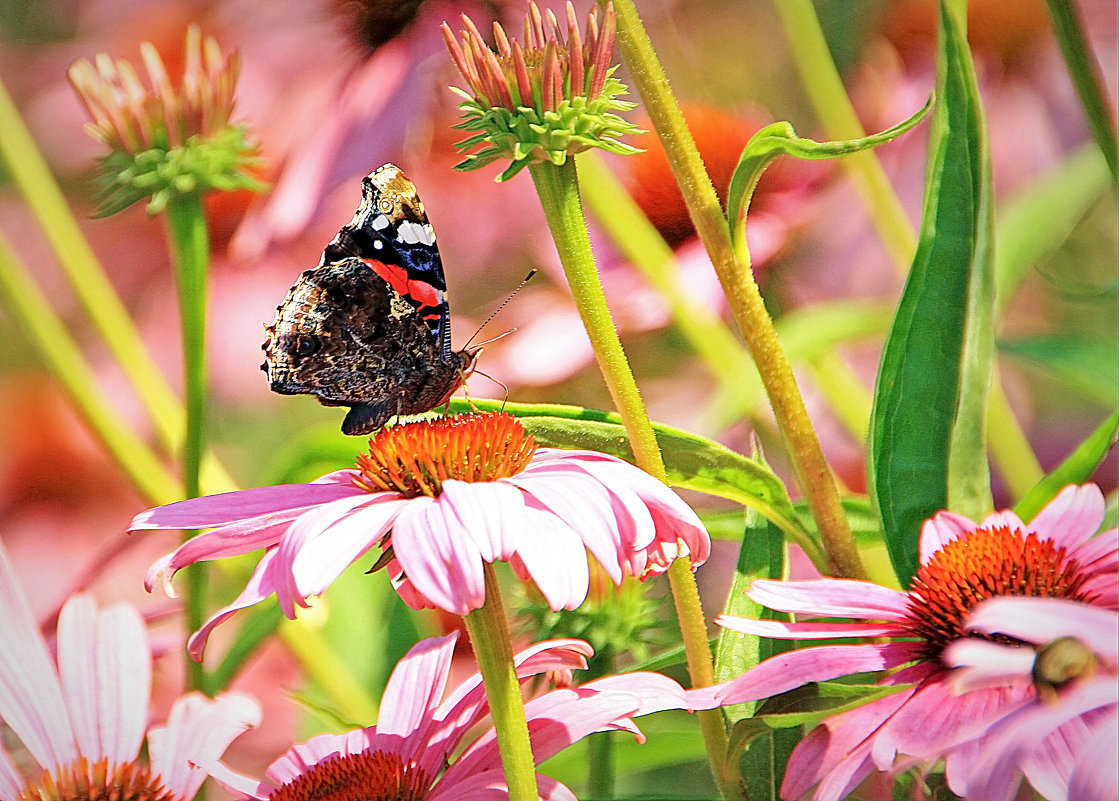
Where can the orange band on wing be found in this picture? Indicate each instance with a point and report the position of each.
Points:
(415, 291)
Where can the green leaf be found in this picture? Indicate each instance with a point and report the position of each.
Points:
(693, 462)
(928, 442)
(1077, 468)
(779, 139)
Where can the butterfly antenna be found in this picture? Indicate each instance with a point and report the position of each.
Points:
(497, 311)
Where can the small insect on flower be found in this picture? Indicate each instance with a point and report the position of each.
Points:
(542, 100)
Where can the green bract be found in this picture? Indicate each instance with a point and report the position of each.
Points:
(526, 135)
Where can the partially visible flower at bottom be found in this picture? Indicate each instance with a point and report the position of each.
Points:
(1057, 555)
(1064, 739)
(407, 755)
(83, 720)
(441, 497)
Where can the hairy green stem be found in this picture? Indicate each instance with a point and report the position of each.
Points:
(558, 188)
(741, 291)
(189, 242)
(493, 648)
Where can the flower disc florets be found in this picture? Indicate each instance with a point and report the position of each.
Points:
(416, 458)
(129, 781)
(982, 564)
(544, 101)
(367, 776)
(165, 139)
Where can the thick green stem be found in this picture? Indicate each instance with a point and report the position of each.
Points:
(741, 291)
(558, 188)
(189, 242)
(493, 648)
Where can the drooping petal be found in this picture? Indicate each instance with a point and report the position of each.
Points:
(228, 507)
(491, 513)
(831, 598)
(553, 556)
(105, 665)
(805, 631)
(31, 701)
(1095, 775)
(315, 561)
(1041, 620)
(443, 565)
(789, 670)
(1072, 517)
(260, 585)
(198, 730)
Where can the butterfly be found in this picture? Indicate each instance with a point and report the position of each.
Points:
(369, 327)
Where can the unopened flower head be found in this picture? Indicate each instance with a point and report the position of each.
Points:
(544, 100)
(165, 138)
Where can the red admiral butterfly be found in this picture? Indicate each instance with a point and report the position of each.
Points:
(369, 328)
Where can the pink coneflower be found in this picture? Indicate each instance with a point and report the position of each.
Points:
(962, 564)
(82, 721)
(407, 755)
(1064, 738)
(440, 498)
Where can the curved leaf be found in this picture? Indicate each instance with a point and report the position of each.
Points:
(928, 441)
(779, 139)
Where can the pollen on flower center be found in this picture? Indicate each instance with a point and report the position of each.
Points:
(416, 458)
(80, 780)
(368, 776)
(982, 564)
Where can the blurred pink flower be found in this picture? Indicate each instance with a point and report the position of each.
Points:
(1064, 738)
(440, 497)
(408, 753)
(84, 719)
(962, 564)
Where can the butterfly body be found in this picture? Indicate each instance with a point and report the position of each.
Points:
(369, 327)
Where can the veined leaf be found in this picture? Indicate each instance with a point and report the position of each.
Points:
(928, 441)
(779, 139)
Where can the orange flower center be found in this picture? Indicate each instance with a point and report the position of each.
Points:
(416, 458)
(368, 776)
(81, 781)
(983, 564)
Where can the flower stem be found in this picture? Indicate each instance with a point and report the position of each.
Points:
(741, 291)
(558, 187)
(493, 648)
(189, 243)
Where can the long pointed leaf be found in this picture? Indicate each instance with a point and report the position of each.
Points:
(927, 449)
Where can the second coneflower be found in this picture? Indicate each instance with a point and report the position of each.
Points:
(544, 100)
(442, 498)
(165, 137)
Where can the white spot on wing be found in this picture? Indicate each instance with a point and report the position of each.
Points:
(412, 233)
(380, 222)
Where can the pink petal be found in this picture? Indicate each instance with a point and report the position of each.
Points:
(553, 555)
(1041, 620)
(831, 598)
(318, 554)
(31, 700)
(941, 529)
(441, 562)
(490, 513)
(412, 696)
(105, 665)
(792, 669)
(198, 730)
(261, 584)
(1095, 775)
(805, 631)
(228, 507)
(982, 663)
(585, 505)
(1072, 517)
